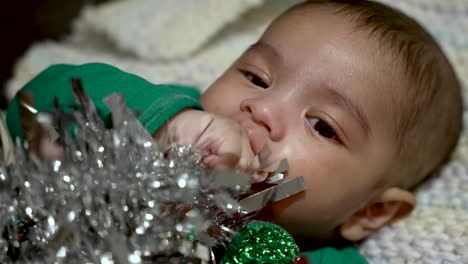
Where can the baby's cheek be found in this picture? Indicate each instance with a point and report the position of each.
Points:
(318, 167)
(213, 104)
(303, 215)
(207, 102)
(327, 180)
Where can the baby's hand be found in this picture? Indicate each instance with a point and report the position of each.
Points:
(225, 143)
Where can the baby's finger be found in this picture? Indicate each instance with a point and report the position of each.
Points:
(42, 144)
(259, 176)
(246, 152)
(250, 162)
(221, 162)
(50, 150)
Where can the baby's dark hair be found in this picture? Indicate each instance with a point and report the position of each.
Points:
(429, 106)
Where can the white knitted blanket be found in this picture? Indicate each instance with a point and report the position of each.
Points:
(193, 41)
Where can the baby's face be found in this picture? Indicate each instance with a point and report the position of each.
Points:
(317, 93)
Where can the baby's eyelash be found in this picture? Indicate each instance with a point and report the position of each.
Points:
(323, 128)
(255, 79)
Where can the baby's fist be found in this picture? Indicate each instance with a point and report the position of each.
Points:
(224, 141)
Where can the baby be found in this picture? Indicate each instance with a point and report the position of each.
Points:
(356, 96)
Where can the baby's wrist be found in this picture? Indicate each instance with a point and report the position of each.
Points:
(184, 127)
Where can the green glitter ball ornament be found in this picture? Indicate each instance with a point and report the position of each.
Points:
(261, 242)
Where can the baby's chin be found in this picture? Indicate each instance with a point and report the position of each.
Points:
(318, 229)
(306, 238)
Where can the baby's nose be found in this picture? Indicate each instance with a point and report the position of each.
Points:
(266, 113)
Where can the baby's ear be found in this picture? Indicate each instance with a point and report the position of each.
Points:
(391, 205)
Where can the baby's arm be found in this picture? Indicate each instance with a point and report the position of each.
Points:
(224, 140)
(155, 103)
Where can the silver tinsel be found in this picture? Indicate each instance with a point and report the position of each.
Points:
(114, 196)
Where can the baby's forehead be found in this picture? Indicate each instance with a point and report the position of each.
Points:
(346, 56)
(312, 23)
(347, 22)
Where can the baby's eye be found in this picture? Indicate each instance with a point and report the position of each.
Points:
(256, 80)
(323, 128)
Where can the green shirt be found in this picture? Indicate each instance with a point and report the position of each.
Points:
(155, 103)
(348, 255)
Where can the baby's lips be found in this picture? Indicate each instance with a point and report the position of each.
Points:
(259, 176)
(263, 155)
(257, 135)
(224, 161)
(271, 174)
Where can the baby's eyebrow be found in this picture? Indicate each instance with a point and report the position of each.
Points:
(355, 110)
(267, 50)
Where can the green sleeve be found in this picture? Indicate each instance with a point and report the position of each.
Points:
(348, 255)
(155, 103)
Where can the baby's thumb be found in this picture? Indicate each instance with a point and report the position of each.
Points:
(48, 149)
(222, 161)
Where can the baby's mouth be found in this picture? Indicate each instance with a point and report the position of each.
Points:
(257, 137)
(269, 172)
(263, 156)
(269, 168)
(266, 192)
(276, 172)
(256, 143)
